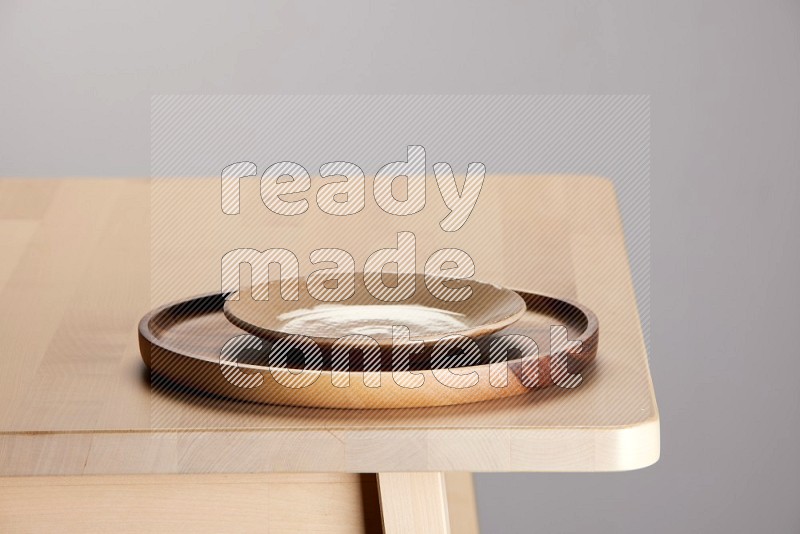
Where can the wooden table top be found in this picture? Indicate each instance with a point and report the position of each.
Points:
(83, 259)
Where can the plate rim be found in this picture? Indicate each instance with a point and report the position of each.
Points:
(474, 332)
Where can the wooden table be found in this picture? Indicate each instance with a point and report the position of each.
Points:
(86, 444)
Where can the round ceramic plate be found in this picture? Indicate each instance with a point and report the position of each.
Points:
(488, 309)
(184, 342)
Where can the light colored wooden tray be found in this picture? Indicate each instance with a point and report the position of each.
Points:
(182, 342)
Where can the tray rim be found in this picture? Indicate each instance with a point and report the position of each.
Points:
(588, 337)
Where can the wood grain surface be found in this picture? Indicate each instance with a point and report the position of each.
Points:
(275, 503)
(84, 259)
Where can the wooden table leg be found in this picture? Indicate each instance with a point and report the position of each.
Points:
(461, 503)
(413, 502)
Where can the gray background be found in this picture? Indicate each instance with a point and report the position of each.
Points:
(724, 79)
